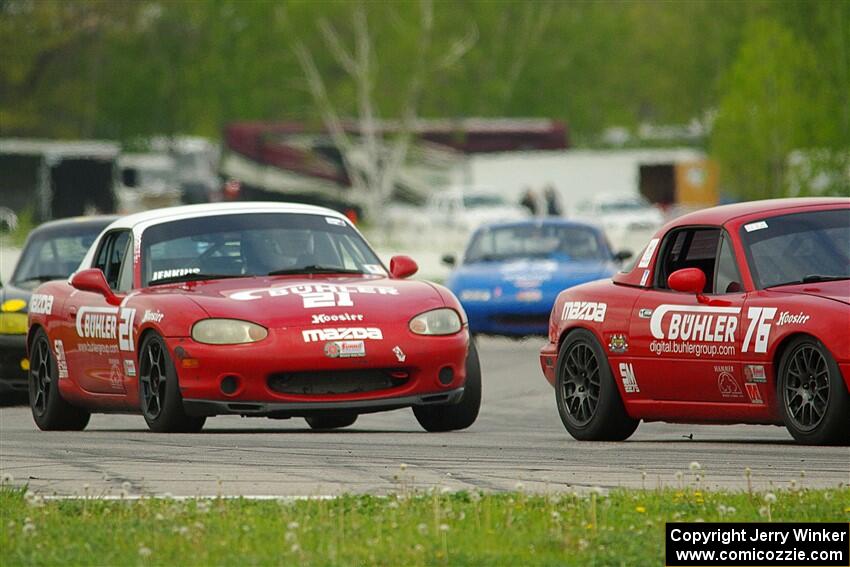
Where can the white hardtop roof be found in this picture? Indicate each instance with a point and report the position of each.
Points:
(157, 216)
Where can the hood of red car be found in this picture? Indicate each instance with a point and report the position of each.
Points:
(292, 301)
(836, 290)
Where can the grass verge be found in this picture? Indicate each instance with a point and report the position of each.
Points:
(622, 527)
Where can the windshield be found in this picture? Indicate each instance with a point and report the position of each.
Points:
(798, 248)
(53, 255)
(559, 242)
(255, 244)
(482, 200)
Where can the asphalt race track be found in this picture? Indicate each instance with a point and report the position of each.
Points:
(517, 438)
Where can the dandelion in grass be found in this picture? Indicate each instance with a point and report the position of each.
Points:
(640, 509)
(445, 490)
(770, 497)
(144, 551)
(290, 537)
(422, 528)
(295, 548)
(583, 544)
(519, 486)
(7, 478)
(763, 511)
(402, 467)
(695, 466)
(293, 525)
(475, 496)
(29, 528)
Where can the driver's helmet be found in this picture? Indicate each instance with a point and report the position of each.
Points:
(264, 251)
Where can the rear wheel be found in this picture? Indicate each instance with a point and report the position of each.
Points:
(331, 420)
(587, 397)
(49, 410)
(814, 398)
(159, 391)
(462, 414)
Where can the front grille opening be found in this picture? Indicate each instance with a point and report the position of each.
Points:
(338, 381)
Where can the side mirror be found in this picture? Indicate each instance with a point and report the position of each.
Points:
(92, 280)
(623, 255)
(402, 267)
(687, 280)
(449, 259)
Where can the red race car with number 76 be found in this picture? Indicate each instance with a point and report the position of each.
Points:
(254, 309)
(735, 314)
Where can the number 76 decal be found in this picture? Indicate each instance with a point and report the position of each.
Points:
(760, 323)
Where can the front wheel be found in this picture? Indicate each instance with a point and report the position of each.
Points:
(462, 414)
(49, 410)
(814, 398)
(587, 397)
(159, 392)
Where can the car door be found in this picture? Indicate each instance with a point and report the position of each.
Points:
(686, 345)
(100, 331)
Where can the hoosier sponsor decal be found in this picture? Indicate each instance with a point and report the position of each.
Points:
(584, 311)
(323, 318)
(786, 318)
(342, 333)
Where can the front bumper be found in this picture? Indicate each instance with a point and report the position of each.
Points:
(301, 409)
(13, 352)
(549, 362)
(508, 318)
(252, 379)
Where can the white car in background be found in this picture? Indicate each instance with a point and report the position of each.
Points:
(466, 209)
(628, 220)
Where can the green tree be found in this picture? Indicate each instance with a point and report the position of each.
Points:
(771, 105)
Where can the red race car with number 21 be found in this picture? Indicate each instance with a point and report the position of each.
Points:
(736, 314)
(255, 309)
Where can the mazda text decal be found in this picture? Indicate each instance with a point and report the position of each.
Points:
(332, 334)
(41, 304)
(316, 295)
(584, 311)
(104, 323)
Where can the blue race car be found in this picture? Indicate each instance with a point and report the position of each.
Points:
(512, 272)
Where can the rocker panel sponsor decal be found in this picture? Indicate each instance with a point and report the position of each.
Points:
(726, 383)
(61, 362)
(754, 393)
(627, 374)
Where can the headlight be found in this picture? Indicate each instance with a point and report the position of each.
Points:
(443, 321)
(13, 323)
(227, 332)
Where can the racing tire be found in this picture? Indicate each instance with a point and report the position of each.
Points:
(159, 391)
(330, 420)
(587, 397)
(462, 414)
(812, 394)
(49, 410)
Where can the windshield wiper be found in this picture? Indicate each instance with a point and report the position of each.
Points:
(813, 278)
(192, 277)
(314, 269)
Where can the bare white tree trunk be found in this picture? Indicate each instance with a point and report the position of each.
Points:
(373, 158)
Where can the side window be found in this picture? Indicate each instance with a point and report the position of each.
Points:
(688, 248)
(728, 279)
(110, 256)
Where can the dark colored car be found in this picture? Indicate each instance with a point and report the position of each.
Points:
(53, 251)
